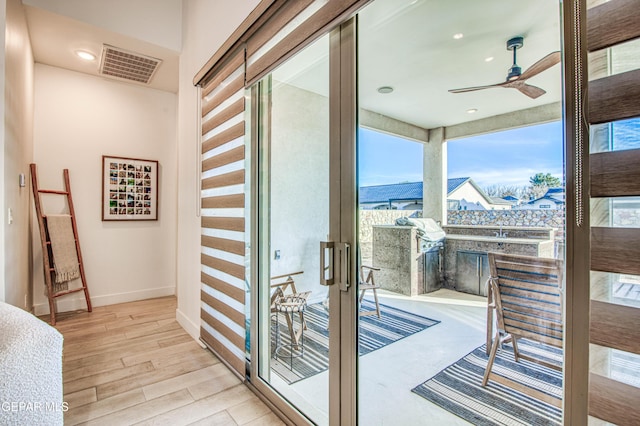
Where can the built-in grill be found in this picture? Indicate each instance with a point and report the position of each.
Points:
(431, 246)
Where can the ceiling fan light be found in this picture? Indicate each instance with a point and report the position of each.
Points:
(514, 73)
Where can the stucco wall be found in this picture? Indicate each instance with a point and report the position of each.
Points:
(78, 118)
(299, 184)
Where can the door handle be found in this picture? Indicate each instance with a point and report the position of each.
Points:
(326, 269)
(345, 266)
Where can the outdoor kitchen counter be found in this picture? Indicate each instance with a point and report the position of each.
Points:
(457, 245)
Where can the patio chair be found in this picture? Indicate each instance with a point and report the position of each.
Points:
(526, 293)
(285, 287)
(367, 282)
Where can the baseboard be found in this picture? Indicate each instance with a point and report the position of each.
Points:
(189, 326)
(65, 304)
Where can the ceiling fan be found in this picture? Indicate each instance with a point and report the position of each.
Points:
(516, 79)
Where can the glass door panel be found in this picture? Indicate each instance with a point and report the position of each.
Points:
(460, 155)
(294, 218)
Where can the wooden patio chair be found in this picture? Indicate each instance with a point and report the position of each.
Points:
(284, 286)
(367, 282)
(526, 294)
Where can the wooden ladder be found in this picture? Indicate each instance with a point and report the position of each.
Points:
(49, 270)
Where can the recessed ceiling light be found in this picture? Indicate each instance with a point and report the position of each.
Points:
(458, 36)
(472, 111)
(87, 56)
(489, 59)
(385, 89)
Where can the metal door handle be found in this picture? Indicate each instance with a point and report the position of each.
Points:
(326, 270)
(345, 266)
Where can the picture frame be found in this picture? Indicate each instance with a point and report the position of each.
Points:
(129, 189)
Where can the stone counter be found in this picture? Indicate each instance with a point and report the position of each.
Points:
(540, 233)
(484, 244)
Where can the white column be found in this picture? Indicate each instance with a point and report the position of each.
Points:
(434, 183)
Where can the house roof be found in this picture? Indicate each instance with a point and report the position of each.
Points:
(500, 201)
(392, 192)
(455, 183)
(555, 200)
(510, 198)
(409, 191)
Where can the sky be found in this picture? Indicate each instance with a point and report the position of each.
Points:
(506, 158)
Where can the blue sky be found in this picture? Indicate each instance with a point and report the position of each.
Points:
(504, 158)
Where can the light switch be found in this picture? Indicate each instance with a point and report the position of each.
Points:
(22, 180)
(276, 255)
(9, 216)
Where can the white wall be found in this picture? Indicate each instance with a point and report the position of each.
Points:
(17, 132)
(470, 194)
(206, 25)
(157, 22)
(78, 118)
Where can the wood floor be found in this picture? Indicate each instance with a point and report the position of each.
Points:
(132, 363)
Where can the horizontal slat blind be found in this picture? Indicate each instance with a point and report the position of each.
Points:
(612, 23)
(222, 218)
(614, 97)
(615, 173)
(290, 29)
(614, 249)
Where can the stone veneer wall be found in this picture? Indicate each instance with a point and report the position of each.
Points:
(539, 218)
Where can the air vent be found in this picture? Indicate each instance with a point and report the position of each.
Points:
(126, 65)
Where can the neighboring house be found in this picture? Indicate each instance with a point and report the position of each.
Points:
(462, 194)
(543, 203)
(553, 199)
(514, 201)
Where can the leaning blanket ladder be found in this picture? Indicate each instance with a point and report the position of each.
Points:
(49, 270)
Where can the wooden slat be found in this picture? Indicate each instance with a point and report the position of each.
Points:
(230, 67)
(227, 179)
(227, 267)
(231, 111)
(224, 223)
(527, 390)
(275, 24)
(615, 173)
(223, 95)
(529, 295)
(227, 157)
(223, 137)
(228, 357)
(221, 328)
(615, 326)
(613, 401)
(226, 310)
(611, 23)
(521, 305)
(223, 287)
(231, 246)
(224, 202)
(614, 97)
(615, 250)
(540, 332)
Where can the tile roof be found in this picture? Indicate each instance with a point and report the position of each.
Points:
(454, 183)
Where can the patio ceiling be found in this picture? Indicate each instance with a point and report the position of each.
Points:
(409, 45)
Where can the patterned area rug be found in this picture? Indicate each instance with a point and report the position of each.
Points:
(374, 333)
(458, 388)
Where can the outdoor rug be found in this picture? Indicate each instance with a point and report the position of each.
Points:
(458, 388)
(374, 333)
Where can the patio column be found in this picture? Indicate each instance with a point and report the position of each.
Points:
(434, 182)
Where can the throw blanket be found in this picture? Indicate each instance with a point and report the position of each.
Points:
(63, 247)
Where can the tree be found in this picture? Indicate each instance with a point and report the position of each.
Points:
(544, 179)
(502, 191)
(540, 182)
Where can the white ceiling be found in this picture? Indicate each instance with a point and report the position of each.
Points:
(55, 38)
(409, 45)
(405, 44)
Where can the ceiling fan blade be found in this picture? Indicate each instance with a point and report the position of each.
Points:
(472, 89)
(543, 64)
(531, 91)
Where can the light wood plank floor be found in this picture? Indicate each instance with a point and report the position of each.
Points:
(132, 363)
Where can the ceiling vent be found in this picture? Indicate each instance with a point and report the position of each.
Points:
(126, 65)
